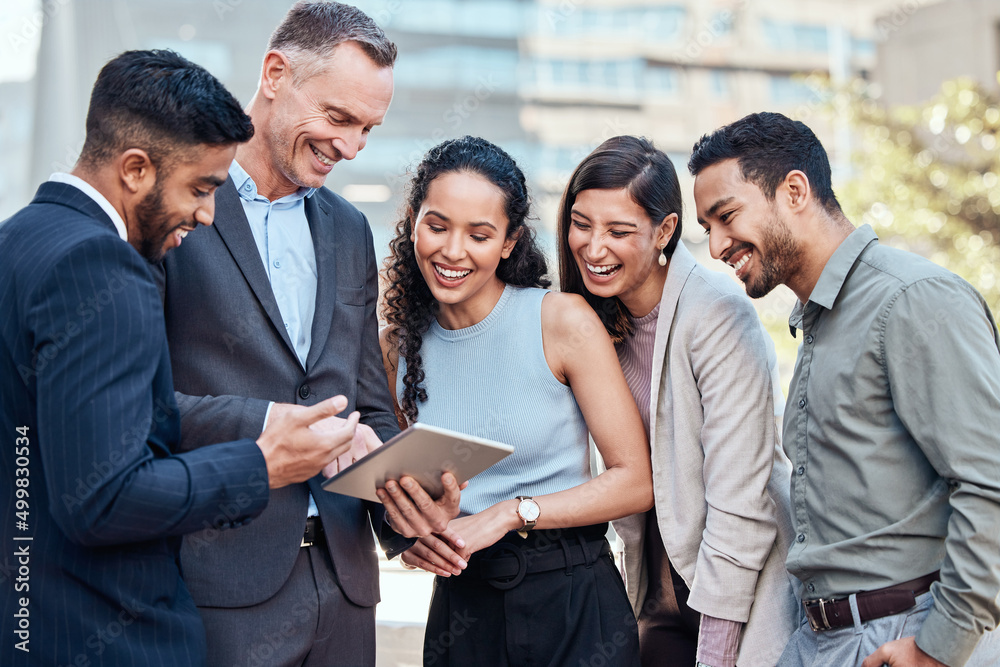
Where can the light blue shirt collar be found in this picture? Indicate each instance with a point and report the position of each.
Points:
(247, 189)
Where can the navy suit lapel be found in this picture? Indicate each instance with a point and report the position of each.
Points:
(321, 227)
(231, 223)
(64, 194)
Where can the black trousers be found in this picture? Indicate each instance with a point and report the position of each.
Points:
(668, 627)
(576, 616)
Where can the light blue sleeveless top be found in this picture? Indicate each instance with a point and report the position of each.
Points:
(491, 380)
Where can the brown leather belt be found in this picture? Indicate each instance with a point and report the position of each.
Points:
(314, 533)
(827, 614)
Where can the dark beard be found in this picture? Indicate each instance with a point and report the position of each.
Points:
(777, 256)
(154, 225)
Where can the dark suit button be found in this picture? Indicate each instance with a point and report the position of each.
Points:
(304, 392)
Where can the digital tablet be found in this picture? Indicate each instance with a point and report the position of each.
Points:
(423, 452)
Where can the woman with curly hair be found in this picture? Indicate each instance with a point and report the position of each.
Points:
(477, 344)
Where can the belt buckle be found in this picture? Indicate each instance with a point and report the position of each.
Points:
(315, 533)
(522, 565)
(821, 603)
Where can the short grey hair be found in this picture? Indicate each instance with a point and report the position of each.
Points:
(313, 28)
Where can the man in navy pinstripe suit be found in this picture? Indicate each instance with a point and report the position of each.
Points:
(94, 498)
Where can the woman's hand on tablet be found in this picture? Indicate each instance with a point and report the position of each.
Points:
(413, 513)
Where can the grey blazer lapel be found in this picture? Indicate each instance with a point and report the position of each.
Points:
(321, 227)
(231, 223)
(682, 262)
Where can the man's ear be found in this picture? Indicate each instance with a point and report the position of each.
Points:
(509, 243)
(794, 192)
(275, 73)
(136, 171)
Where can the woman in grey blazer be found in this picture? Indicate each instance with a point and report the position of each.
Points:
(705, 567)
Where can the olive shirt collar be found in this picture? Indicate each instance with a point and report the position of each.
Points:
(834, 275)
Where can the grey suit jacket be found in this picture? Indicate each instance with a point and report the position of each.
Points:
(231, 356)
(720, 478)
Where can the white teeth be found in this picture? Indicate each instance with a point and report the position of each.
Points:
(603, 270)
(322, 158)
(448, 273)
(183, 233)
(743, 260)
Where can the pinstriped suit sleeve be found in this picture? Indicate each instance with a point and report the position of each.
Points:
(99, 427)
(729, 358)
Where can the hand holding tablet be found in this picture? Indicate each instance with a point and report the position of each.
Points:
(422, 452)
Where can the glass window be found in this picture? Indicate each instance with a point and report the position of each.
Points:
(662, 24)
(722, 23)
(464, 67)
(788, 90)
(490, 18)
(782, 36)
(863, 47)
(561, 160)
(655, 24)
(662, 80)
(604, 75)
(719, 83)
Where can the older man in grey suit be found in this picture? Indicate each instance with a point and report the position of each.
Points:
(274, 309)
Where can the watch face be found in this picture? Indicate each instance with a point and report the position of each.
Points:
(528, 509)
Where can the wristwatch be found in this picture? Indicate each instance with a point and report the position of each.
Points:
(527, 511)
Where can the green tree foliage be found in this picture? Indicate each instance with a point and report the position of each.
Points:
(927, 178)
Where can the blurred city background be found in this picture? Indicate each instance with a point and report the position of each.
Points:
(903, 93)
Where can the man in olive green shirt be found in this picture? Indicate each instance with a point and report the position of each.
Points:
(893, 418)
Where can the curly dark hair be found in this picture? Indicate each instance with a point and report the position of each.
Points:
(409, 306)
